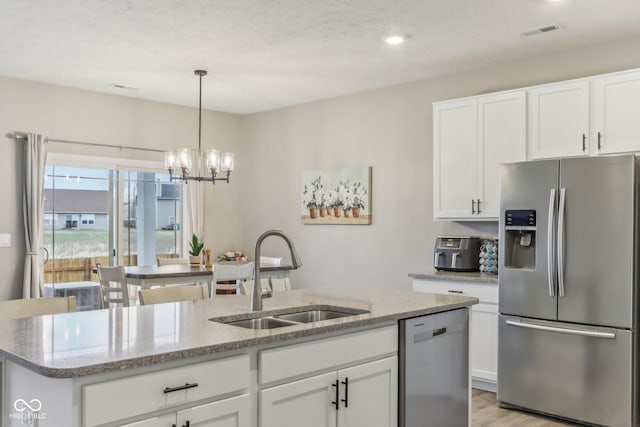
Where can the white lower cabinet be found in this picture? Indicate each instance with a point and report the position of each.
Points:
(370, 394)
(362, 395)
(307, 402)
(232, 412)
(483, 325)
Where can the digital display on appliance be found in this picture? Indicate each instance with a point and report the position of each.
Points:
(520, 218)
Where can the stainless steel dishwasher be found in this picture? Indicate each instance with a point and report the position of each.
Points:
(434, 370)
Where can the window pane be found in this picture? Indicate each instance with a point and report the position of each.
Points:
(76, 224)
(151, 217)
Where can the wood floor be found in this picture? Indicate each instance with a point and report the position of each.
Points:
(486, 412)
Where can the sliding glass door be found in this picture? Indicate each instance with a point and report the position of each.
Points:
(112, 215)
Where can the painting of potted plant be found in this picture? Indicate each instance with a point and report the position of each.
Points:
(310, 196)
(336, 196)
(359, 195)
(196, 247)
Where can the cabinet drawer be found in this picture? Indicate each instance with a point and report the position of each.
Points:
(316, 356)
(485, 292)
(145, 393)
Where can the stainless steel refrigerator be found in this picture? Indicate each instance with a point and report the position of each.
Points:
(568, 271)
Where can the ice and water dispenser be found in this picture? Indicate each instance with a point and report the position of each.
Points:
(520, 239)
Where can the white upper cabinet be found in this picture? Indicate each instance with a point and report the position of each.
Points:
(454, 158)
(502, 138)
(616, 113)
(559, 120)
(471, 138)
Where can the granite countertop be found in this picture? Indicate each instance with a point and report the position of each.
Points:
(94, 342)
(460, 276)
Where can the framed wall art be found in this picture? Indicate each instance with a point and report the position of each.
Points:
(336, 196)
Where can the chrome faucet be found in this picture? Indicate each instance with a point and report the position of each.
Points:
(256, 293)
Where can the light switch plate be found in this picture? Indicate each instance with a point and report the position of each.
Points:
(5, 240)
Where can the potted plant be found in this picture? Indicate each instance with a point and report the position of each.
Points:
(196, 247)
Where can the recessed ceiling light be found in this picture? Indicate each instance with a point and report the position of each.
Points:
(394, 40)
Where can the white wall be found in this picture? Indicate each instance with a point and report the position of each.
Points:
(391, 130)
(71, 114)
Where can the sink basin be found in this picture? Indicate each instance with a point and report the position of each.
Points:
(262, 323)
(271, 321)
(314, 315)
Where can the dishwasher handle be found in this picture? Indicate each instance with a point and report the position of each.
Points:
(434, 333)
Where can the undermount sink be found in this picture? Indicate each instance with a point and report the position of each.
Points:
(261, 323)
(313, 316)
(292, 318)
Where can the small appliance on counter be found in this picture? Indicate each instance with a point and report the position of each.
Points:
(456, 253)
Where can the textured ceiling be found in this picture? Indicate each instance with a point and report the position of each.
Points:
(267, 54)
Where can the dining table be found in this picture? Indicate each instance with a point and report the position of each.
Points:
(147, 276)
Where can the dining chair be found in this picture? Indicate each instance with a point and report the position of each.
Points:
(172, 261)
(279, 284)
(16, 308)
(173, 294)
(113, 286)
(230, 272)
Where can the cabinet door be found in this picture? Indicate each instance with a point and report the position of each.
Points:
(484, 343)
(616, 109)
(454, 159)
(233, 412)
(559, 120)
(301, 403)
(502, 138)
(162, 421)
(369, 394)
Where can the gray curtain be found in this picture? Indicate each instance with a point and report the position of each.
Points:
(35, 156)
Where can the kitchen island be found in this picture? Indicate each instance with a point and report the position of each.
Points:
(166, 363)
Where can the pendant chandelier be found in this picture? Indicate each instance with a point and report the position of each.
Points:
(184, 160)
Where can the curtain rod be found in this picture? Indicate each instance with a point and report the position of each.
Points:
(20, 135)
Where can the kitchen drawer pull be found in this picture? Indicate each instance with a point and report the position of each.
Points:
(182, 387)
(478, 204)
(581, 332)
(584, 142)
(337, 401)
(599, 140)
(346, 392)
(473, 206)
(455, 292)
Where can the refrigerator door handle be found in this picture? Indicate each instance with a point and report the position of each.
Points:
(550, 234)
(560, 252)
(581, 332)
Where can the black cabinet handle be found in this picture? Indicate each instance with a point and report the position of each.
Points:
(455, 292)
(337, 386)
(599, 139)
(187, 424)
(478, 206)
(182, 387)
(584, 142)
(346, 392)
(473, 206)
